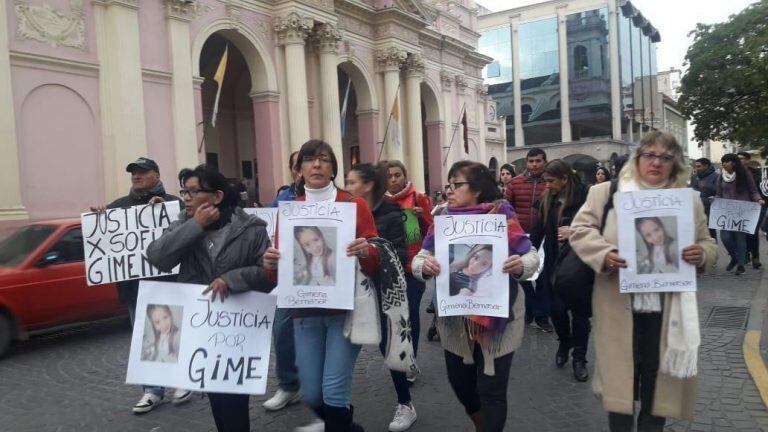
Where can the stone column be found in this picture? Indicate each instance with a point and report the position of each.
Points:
(368, 133)
(446, 79)
(292, 31)
(121, 87)
(179, 14)
(327, 39)
(517, 97)
(11, 205)
(271, 165)
(613, 44)
(390, 60)
(565, 102)
(414, 68)
(482, 97)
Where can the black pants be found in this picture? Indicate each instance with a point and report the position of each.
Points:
(479, 392)
(753, 240)
(647, 334)
(572, 330)
(230, 412)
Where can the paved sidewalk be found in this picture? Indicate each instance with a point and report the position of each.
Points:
(74, 381)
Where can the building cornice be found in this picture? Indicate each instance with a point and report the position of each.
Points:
(41, 61)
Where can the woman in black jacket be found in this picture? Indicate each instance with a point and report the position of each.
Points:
(369, 182)
(558, 205)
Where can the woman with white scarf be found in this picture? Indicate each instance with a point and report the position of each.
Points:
(645, 342)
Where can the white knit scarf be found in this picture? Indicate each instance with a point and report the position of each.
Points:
(680, 358)
(729, 178)
(327, 193)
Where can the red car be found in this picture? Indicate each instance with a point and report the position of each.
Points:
(42, 281)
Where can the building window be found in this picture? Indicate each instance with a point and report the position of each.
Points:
(581, 61)
(493, 70)
(526, 111)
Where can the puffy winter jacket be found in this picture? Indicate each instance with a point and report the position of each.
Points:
(523, 192)
(388, 217)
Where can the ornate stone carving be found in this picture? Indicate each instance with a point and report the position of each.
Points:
(461, 84)
(482, 92)
(180, 9)
(446, 79)
(390, 58)
(414, 65)
(431, 53)
(326, 38)
(235, 16)
(353, 25)
(263, 29)
(54, 27)
(292, 28)
(202, 8)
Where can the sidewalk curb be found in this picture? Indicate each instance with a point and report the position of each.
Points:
(751, 346)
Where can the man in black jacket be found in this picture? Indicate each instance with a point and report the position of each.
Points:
(753, 240)
(704, 180)
(146, 188)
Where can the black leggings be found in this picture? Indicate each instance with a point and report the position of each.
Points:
(479, 392)
(230, 412)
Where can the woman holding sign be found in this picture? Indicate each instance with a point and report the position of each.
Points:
(735, 183)
(324, 356)
(478, 349)
(649, 341)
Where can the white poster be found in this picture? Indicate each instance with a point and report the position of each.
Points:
(654, 227)
(116, 241)
(268, 215)
(734, 215)
(181, 339)
(314, 270)
(471, 250)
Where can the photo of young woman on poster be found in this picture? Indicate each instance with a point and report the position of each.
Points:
(656, 249)
(318, 266)
(470, 268)
(162, 334)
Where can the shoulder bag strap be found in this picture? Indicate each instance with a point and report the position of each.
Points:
(609, 204)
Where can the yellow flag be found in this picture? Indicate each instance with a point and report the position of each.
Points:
(219, 78)
(394, 121)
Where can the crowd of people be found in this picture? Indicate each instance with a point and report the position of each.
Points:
(548, 206)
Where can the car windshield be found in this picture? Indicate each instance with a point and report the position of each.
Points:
(18, 245)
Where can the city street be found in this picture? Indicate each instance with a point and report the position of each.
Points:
(74, 381)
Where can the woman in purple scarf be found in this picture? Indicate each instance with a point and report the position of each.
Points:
(479, 349)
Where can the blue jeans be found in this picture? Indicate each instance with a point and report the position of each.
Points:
(736, 245)
(326, 360)
(156, 390)
(536, 300)
(285, 351)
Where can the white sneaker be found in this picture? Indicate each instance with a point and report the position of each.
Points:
(317, 425)
(405, 416)
(282, 399)
(180, 396)
(147, 403)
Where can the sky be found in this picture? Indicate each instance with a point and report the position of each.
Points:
(674, 19)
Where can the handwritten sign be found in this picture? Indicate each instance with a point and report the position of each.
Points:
(268, 215)
(314, 270)
(471, 250)
(654, 227)
(734, 215)
(116, 241)
(183, 340)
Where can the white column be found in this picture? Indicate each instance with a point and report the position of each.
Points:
(121, 89)
(179, 13)
(447, 154)
(414, 139)
(517, 97)
(613, 43)
(390, 60)
(562, 45)
(11, 205)
(482, 97)
(292, 31)
(327, 39)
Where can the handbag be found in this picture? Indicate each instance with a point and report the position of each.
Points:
(362, 325)
(573, 280)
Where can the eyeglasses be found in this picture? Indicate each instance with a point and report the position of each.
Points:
(324, 158)
(453, 186)
(650, 157)
(192, 193)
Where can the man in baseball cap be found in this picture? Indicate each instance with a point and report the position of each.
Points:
(143, 163)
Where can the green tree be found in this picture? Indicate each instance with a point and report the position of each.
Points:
(725, 89)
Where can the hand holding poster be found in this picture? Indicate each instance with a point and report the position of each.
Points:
(471, 251)
(654, 227)
(268, 215)
(116, 241)
(181, 339)
(314, 270)
(734, 215)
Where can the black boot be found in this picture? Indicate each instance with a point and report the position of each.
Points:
(561, 357)
(580, 371)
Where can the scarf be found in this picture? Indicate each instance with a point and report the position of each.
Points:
(327, 193)
(683, 337)
(143, 197)
(729, 178)
(406, 197)
(486, 331)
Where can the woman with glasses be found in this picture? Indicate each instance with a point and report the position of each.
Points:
(216, 244)
(478, 362)
(646, 344)
(324, 356)
(736, 183)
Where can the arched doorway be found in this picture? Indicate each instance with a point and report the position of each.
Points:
(360, 120)
(432, 136)
(350, 131)
(584, 165)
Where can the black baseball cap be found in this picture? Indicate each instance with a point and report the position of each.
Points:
(143, 163)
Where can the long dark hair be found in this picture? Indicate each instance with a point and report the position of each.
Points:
(507, 167)
(560, 170)
(172, 348)
(315, 147)
(667, 239)
(376, 174)
(480, 179)
(742, 182)
(327, 251)
(606, 173)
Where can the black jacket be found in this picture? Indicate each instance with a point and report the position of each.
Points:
(390, 223)
(128, 290)
(547, 230)
(706, 185)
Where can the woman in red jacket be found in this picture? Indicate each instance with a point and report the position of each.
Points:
(324, 356)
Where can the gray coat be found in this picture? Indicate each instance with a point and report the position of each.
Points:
(239, 263)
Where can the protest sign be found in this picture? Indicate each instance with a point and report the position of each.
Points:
(182, 339)
(314, 270)
(539, 253)
(116, 241)
(734, 215)
(471, 250)
(654, 227)
(268, 215)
